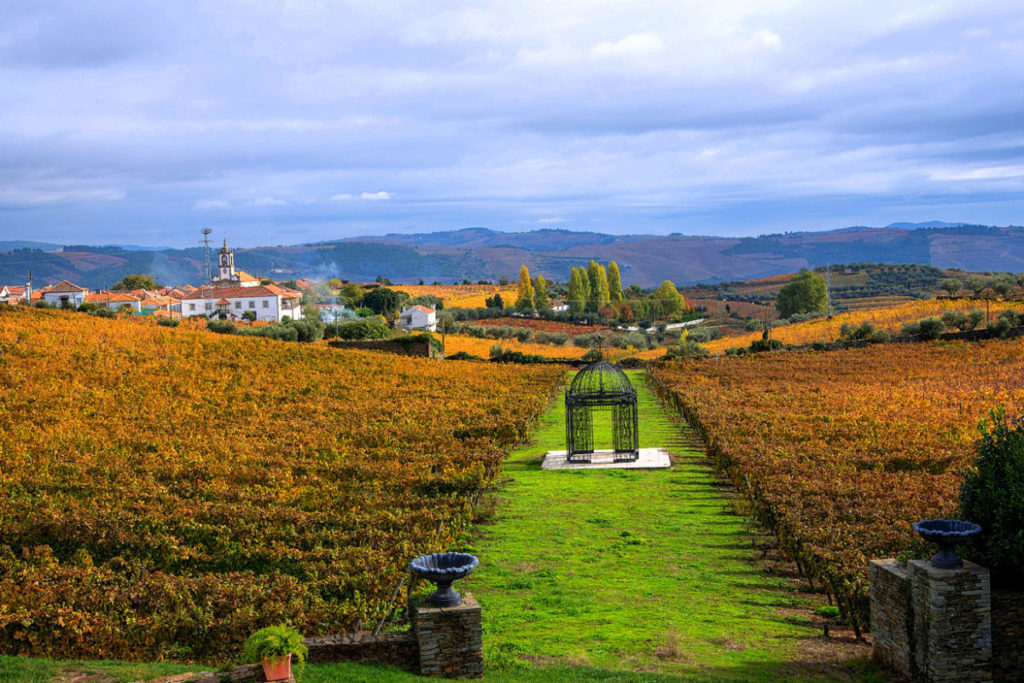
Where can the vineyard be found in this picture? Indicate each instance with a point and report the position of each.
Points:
(461, 296)
(481, 348)
(889, 318)
(541, 325)
(165, 492)
(840, 452)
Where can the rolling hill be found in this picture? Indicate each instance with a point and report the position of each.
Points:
(482, 253)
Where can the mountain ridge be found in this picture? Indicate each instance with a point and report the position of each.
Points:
(483, 253)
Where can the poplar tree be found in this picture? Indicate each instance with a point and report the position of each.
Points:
(540, 294)
(579, 290)
(598, 279)
(614, 282)
(524, 300)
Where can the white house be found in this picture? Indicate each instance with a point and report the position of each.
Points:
(115, 301)
(65, 294)
(268, 302)
(418, 318)
(13, 295)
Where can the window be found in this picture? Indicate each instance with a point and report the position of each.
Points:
(252, 304)
(238, 304)
(191, 307)
(266, 303)
(209, 306)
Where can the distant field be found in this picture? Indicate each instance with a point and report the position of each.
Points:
(887, 317)
(455, 343)
(166, 492)
(840, 452)
(540, 325)
(462, 296)
(872, 302)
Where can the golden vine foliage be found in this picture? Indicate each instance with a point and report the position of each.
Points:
(462, 296)
(841, 452)
(164, 492)
(889, 318)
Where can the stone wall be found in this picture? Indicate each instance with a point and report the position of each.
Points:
(394, 649)
(419, 349)
(450, 639)
(891, 620)
(1007, 636)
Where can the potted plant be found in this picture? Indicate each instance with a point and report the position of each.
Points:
(274, 647)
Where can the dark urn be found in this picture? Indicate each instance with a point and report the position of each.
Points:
(442, 569)
(948, 534)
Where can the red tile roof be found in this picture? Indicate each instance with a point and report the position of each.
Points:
(64, 286)
(424, 309)
(240, 292)
(110, 298)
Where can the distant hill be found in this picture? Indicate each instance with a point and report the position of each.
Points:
(482, 253)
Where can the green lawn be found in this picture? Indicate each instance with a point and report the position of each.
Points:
(610, 575)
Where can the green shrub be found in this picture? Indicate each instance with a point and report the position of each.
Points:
(593, 355)
(168, 322)
(372, 328)
(273, 642)
(220, 326)
(993, 496)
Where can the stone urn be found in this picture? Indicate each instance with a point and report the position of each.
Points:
(442, 569)
(948, 534)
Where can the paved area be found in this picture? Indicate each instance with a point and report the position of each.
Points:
(650, 459)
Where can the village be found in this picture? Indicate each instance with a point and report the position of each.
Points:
(231, 294)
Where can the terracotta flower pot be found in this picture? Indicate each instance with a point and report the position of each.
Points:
(279, 669)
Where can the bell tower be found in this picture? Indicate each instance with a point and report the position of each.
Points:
(226, 266)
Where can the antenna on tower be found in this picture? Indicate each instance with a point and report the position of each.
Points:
(206, 243)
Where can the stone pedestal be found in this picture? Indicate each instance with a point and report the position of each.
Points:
(952, 627)
(450, 639)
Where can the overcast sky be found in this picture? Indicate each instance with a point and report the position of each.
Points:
(277, 122)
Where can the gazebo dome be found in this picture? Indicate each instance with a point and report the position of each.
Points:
(601, 380)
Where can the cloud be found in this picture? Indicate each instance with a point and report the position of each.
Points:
(212, 204)
(741, 116)
(269, 201)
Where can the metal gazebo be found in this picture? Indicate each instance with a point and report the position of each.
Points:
(601, 386)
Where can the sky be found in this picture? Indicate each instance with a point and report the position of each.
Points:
(285, 121)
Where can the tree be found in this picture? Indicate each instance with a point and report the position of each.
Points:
(352, 294)
(951, 285)
(524, 293)
(669, 298)
(383, 301)
(494, 301)
(540, 294)
(130, 282)
(977, 284)
(579, 290)
(614, 282)
(598, 280)
(805, 293)
(311, 311)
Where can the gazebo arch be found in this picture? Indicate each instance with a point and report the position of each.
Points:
(601, 386)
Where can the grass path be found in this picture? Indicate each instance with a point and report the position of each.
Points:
(628, 570)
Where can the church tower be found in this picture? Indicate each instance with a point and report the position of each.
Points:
(226, 276)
